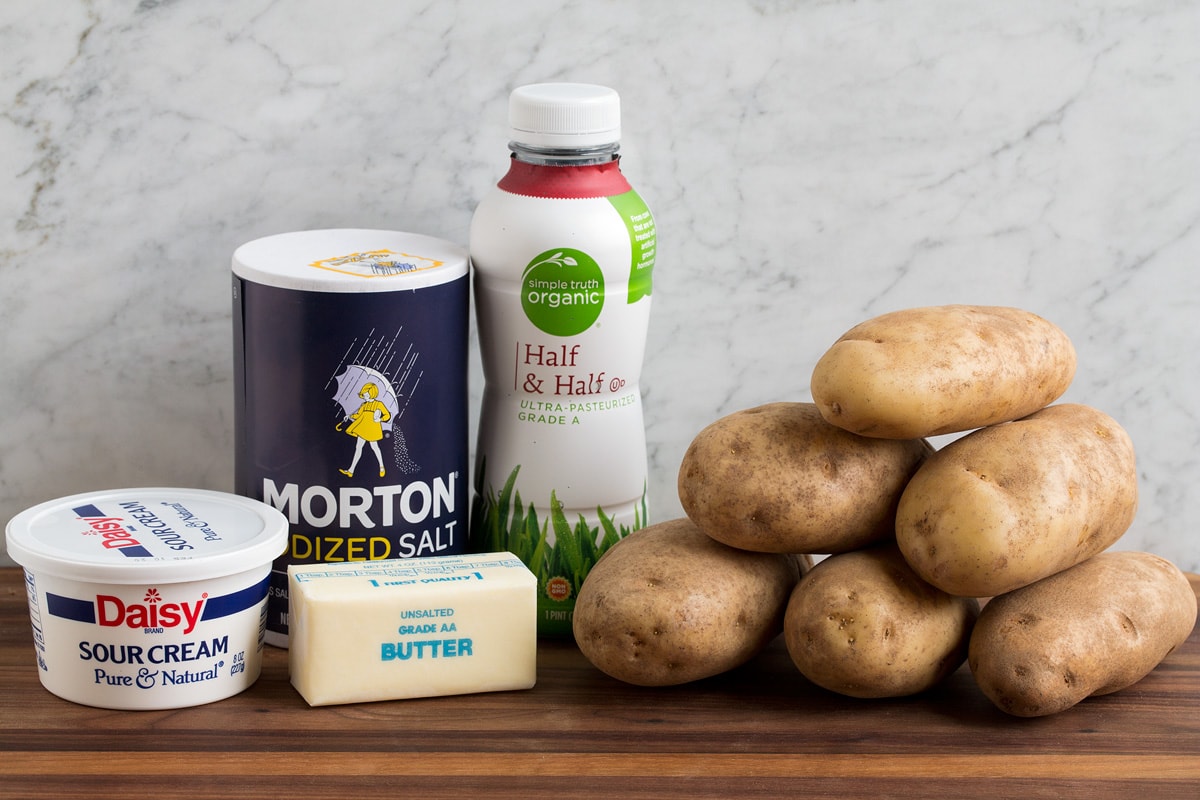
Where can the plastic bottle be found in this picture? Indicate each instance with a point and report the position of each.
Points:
(563, 251)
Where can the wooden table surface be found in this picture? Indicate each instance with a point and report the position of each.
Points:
(760, 731)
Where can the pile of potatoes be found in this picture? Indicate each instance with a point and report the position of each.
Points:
(992, 550)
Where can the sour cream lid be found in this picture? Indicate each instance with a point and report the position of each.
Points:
(151, 535)
(345, 260)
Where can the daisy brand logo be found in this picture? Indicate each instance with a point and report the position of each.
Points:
(152, 612)
(113, 533)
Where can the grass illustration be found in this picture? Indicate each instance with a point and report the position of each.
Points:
(503, 521)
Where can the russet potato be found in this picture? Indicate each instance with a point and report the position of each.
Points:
(923, 372)
(1093, 629)
(864, 624)
(778, 478)
(669, 604)
(1006, 505)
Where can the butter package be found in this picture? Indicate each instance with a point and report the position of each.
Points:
(389, 630)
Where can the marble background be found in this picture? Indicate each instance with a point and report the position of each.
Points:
(810, 164)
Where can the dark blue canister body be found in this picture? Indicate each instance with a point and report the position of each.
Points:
(350, 372)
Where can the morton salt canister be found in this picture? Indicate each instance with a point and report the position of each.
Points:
(350, 381)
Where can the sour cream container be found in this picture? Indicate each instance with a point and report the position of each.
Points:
(147, 598)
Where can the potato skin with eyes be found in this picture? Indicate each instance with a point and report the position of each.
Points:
(863, 624)
(1007, 505)
(1093, 629)
(668, 605)
(778, 478)
(934, 370)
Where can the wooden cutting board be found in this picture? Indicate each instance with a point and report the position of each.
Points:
(760, 731)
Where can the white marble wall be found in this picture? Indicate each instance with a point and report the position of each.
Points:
(810, 164)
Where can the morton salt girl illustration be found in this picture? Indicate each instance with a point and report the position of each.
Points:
(351, 396)
(366, 425)
(563, 250)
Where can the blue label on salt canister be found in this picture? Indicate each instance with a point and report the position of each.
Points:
(351, 396)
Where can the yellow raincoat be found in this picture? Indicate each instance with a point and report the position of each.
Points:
(364, 424)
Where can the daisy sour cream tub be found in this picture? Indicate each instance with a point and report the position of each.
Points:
(147, 598)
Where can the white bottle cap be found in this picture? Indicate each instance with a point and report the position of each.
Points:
(564, 115)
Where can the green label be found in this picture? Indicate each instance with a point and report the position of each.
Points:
(643, 242)
(562, 291)
(558, 550)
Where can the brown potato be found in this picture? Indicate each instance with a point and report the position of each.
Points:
(669, 605)
(864, 624)
(1093, 629)
(780, 479)
(1007, 505)
(928, 371)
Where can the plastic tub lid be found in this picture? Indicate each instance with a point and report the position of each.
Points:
(150, 535)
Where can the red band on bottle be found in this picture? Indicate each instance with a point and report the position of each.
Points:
(591, 180)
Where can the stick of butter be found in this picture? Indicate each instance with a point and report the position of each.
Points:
(386, 630)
